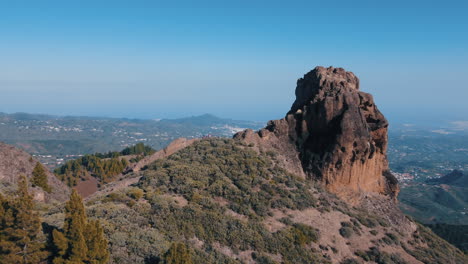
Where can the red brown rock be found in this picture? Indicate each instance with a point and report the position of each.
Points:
(333, 133)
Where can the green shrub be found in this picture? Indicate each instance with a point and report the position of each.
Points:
(304, 234)
(350, 261)
(135, 193)
(362, 254)
(365, 219)
(346, 229)
(262, 259)
(375, 255)
(390, 239)
(39, 178)
(178, 253)
(346, 232)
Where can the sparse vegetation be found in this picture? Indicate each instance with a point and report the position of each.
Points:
(214, 198)
(375, 255)
(390, 239)
(437, 251)
(369, 221)
(220, 168)
(351, 261)
(249, 184)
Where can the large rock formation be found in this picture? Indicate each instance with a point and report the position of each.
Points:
(333, 133)
(15, 162)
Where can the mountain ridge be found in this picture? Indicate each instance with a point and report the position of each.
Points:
(456, 178)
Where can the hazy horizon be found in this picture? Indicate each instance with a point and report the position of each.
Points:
(428, 121)
(234, 60)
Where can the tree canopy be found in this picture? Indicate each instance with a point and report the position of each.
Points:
(39, 178)
(21, 239)
(102, 166)
(81, 241)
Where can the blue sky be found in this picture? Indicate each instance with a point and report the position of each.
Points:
(236, 59)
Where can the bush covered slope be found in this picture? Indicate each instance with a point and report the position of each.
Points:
(229, 204)
(103, 166)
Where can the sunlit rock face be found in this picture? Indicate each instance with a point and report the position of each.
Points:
(333, 133)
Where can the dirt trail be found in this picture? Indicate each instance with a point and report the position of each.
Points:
(129, 178)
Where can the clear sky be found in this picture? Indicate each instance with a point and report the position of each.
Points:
(236, 59)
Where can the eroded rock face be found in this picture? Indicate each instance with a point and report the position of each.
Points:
(334, 132)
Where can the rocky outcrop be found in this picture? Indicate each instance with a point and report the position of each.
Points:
(333, 133)
(15, 162)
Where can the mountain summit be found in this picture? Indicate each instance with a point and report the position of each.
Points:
(333, 133)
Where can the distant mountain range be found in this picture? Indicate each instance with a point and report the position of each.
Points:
(53, 138)
(455, 178)
(441, 204)
(442, 200)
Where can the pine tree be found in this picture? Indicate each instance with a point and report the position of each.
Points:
(20, 238)
(39, 178)
(8, 248)
(97, 244)
(60, 243)
(81, 241)
(178, 253)
(72, 249)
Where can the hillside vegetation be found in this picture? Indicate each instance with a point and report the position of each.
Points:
(455, 234)
(218, 201)
(435, 203)
(104, 167)
(440, 200)
(24, 239)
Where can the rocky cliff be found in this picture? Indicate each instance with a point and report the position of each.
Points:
(15, 162)
(333, 133)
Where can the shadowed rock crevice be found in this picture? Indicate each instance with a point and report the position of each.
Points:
(335, 132)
